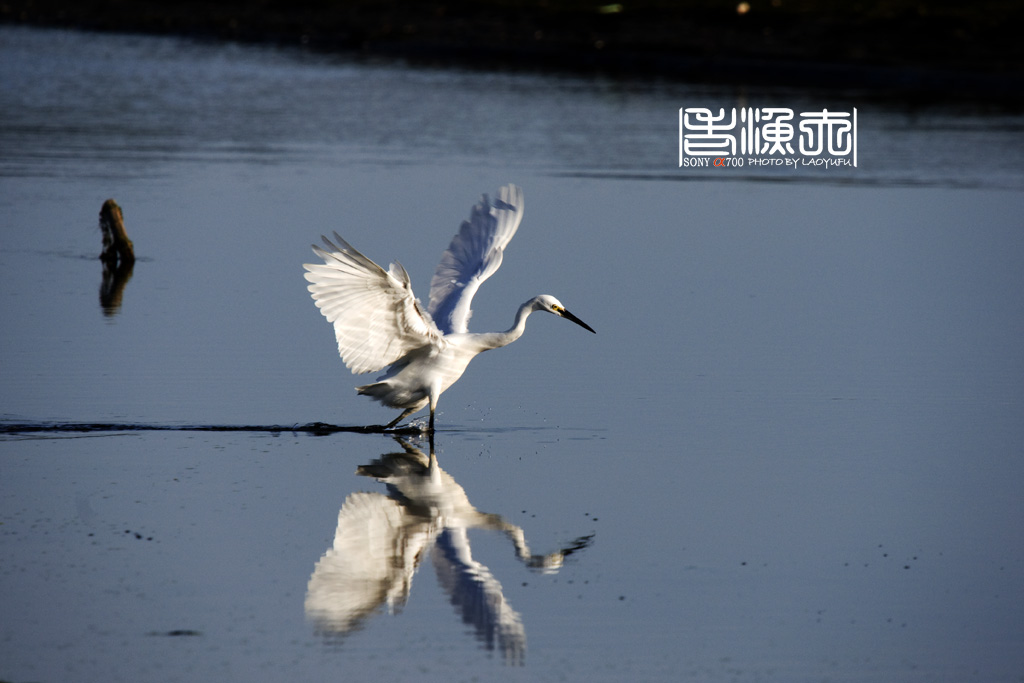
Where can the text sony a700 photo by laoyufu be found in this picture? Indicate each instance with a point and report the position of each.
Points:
(767, 136)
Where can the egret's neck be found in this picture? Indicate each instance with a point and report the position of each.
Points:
(495, 340)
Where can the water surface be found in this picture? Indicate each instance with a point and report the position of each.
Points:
(792, 450)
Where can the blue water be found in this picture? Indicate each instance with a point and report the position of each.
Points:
(792, 450)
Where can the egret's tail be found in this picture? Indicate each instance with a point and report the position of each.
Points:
(378, 391)
(394, 397)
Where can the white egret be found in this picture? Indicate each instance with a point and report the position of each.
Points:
(379, 323)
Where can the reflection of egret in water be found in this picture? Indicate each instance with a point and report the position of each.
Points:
(381, 539)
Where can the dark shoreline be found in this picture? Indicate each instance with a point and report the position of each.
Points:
(898, 48)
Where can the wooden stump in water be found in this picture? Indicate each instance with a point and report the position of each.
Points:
(118, 257)
(117, 248)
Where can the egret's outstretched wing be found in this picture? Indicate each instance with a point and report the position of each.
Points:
(377, 320)
(368, 566)
(472, 257)
(473, 591)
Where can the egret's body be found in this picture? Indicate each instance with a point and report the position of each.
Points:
(378, 322)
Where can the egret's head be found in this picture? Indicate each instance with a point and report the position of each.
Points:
(546, 302)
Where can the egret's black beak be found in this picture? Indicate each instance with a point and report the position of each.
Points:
(569, 316)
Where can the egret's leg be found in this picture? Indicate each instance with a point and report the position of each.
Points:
(401, 417)
(434, 395)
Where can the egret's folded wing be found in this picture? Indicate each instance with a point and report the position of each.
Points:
(473, 256)
(376, 318)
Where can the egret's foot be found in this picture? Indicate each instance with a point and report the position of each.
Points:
(412, 429)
